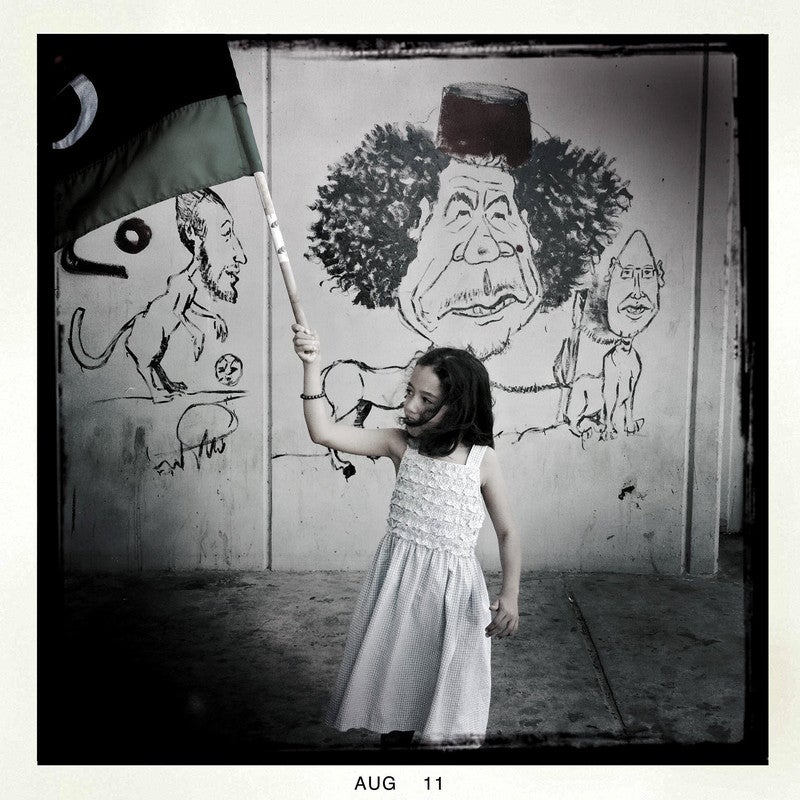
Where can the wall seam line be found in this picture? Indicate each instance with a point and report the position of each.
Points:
(266, 74)
(698, 268)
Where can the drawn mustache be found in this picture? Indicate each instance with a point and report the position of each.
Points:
(483, 301)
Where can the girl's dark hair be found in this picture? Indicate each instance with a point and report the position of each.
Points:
(467, 393)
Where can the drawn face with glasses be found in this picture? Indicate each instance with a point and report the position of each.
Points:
(634, 283)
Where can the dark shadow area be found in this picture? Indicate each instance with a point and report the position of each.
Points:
(731, 557)
(185, 668)
(235, 668)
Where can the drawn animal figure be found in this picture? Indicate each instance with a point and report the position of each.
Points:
(205, 227)
(605, 402)
(584, 410)
(622, 367)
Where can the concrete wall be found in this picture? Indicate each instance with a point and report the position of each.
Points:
(177, 484)
(644, 501)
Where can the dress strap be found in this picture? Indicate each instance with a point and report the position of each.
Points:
(476, 455)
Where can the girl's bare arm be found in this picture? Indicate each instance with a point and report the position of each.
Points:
(506, 612)
(322, 429)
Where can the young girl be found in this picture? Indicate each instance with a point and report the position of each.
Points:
(417, 657)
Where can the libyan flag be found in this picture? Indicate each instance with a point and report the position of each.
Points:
(139, 119)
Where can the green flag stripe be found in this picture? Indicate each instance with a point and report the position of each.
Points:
(202, 144)
(245, 138)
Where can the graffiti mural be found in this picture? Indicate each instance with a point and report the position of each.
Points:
(205, 227)
(188, 307)
(469, 235)
(622, 305)
(473, 235)
(201, 432)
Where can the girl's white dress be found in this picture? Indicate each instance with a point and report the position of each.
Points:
(417, 657)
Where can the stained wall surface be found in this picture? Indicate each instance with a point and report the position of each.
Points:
(631, 168)
(167, 480)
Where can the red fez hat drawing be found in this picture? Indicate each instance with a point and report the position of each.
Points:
(482, 119)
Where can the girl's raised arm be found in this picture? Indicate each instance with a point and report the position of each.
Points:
(322, 429)
(505, 610)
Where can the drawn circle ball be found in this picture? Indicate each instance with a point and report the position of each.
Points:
(228, 369)
(133, 235)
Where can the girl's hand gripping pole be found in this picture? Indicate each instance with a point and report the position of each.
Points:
(280, 249)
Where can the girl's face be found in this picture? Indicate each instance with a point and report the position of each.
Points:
(423, 407)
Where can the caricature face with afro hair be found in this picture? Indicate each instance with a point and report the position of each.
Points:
(467, 250)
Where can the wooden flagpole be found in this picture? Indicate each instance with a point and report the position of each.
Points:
(280, 248)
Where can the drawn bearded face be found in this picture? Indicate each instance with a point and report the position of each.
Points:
(633, 296)
(473, 282)
(219, 253)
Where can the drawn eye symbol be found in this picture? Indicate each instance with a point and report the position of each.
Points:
(87, 96)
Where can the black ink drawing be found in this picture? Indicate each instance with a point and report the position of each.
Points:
(468, 235)
(619, 308)
(354, 390)
(205, 227)
(228, 369)
(201, 431)
(201, 428)
(132, 236)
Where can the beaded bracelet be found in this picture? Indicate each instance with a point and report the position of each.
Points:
(312, 396)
